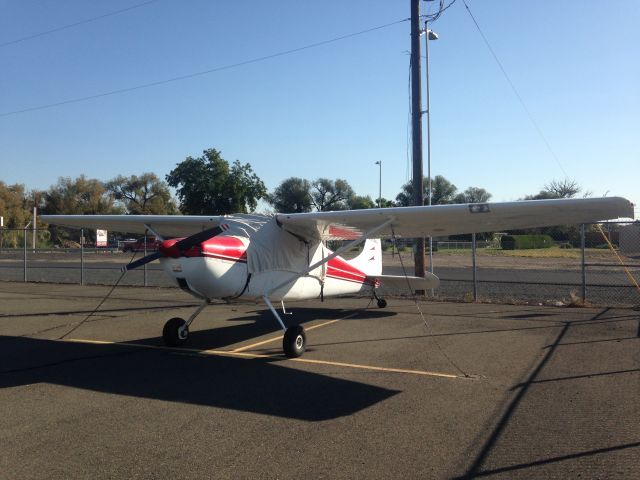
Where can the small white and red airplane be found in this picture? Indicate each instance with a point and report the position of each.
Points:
(284, 257)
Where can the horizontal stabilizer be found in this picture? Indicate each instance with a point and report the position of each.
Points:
(397, 282)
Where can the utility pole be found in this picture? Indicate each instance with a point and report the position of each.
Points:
(379, 162)
(416, 129)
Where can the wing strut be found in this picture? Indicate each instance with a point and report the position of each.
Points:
(326, 259)
(294, 342)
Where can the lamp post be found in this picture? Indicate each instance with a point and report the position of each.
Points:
(379, 163)
(429, 35)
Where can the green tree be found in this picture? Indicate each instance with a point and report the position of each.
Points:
(293, 195)
(443, 192)
(80, 196)
(387, 203)
(13, 205)
(76, 197)
(208, 185)
(358, 202)
(146, 194)
(473, 195)
(331, 194)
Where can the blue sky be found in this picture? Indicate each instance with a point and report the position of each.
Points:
(329, 111)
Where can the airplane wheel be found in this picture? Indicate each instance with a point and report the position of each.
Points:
(294, 342)
(382, 303)
(175, 332)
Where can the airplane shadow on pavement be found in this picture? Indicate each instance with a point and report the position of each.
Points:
(259, 385)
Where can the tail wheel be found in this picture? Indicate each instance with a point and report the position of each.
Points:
(382, 303)
(175, 332)
(294, 342)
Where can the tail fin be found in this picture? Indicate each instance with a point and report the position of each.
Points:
(369, 261)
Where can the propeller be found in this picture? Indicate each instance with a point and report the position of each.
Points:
(173, 248)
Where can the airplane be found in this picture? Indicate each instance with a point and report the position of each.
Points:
(284, 256)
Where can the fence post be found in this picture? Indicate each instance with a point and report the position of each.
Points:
(473, 255)
(24, 251)
(82, 256)
(145, 254)
(584, 264)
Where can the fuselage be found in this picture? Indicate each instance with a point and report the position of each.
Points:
(218, 268)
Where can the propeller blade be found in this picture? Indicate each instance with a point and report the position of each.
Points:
(141, 262)
(203, 236)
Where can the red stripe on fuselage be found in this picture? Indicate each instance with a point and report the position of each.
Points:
(340, 269)
(233, 249)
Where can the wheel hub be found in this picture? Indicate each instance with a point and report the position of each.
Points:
(183, 332)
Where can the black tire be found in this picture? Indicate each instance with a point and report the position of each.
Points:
(382, 303)
(171, 332)
(294, 342)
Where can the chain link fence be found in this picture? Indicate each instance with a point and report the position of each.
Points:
(578, 267)
(594, 264)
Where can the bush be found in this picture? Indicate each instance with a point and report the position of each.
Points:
(566, 245)
(523, 242)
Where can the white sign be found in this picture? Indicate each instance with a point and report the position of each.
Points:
(101, 238)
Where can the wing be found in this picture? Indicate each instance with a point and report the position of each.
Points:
(440, 220)
(166, 225)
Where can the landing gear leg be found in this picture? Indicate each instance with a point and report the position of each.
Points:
(381, 301)
(176, 330)
(294, 342)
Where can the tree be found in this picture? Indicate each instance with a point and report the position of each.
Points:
(146, 194)
(473, 195)
(331, 195)
(80, 196)
(208, 185)
(443, 192)
(13, 205)
(293, 195)
(358, 202)
(566, 188)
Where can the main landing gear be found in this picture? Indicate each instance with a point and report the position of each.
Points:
(176, 332)
(294, 342)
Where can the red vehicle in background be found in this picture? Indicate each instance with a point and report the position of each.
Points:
(138, 245)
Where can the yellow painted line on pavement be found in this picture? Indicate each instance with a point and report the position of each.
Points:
(193, 351)
(279, 337)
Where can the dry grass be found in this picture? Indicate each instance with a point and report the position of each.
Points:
(553, 252)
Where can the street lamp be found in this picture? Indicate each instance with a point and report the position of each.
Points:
(430, 35)
(379, 162)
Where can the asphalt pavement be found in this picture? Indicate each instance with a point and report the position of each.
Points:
(427, 390)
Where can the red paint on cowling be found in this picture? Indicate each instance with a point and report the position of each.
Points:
(229, 248)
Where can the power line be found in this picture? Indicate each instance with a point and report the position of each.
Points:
(515, 91)
(201, 73)
(71, 25)
(432, 17)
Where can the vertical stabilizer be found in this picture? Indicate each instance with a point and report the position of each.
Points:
(369, 261)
